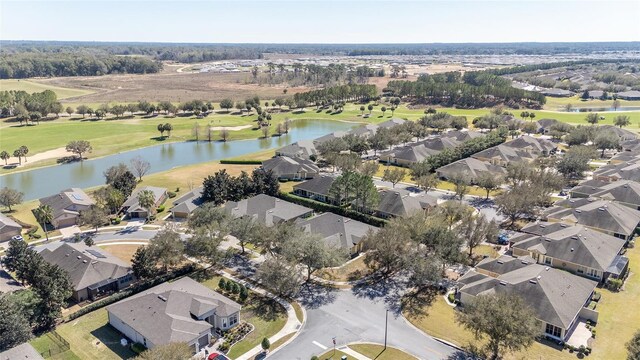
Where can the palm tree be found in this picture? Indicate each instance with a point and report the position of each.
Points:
(24, 150)
(44, 215)
(147, 200)
(4, 156)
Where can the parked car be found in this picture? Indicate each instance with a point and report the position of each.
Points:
(217, 356)
(17, 237)
(503, 239)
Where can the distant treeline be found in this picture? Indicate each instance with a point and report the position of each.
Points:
(28, 64)
(473, 90)
(338, 93)
(546, 66)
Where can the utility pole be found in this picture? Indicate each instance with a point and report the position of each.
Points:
(386, 321)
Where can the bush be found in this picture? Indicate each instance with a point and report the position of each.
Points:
(265, 344)
(593, 333)
(137, 348)
(115, 221)
(241, 162)
(596, 297)
(615, 284)
(235, 288)
(222, 284)
(171, 194)
(452, 297)
(160, 209)
(314, 357)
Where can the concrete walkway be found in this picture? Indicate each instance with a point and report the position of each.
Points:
(347, 350)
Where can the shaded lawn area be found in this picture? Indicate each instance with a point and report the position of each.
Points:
(353, 270)
(619, 318)
(90, 337)
(266, 315)
(439, 322)
(334, 355)
(378, 352)
(45, 343)
(24, 213)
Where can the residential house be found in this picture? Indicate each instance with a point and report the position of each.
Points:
(8, 228)
(544, 125)
(187, 203)
(601, 215)
(338, 231)
(503, 154)
(535, 146)
(462, 135)
(364, 130)
(629, 95)
(178, 311)
(93, 271)
(132, 207)
(331, 136)
(287, 168)
(558, 298)
(576, 249)
(471, 167)
(391, 123)
(23, 352)
(625, 192)
(621, 171)
(595, 94)
(623, 134)
(556, 92)
(67, 206)
(267, 209)
(413, 153)
(317, 189)
(400, 203)
(304, 149)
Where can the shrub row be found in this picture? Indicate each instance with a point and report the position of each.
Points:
(241, 162)
(132, 291)
(323, 207)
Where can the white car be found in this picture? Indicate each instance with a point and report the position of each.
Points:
(17, 237)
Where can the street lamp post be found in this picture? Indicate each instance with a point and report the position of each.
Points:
(386, 321)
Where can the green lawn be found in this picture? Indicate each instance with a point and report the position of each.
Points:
(90, 337)
(354, 270)
(31, 86)
(266, 315)
(334, 355)
(378, 352)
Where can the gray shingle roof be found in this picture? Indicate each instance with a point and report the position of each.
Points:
(319, 185)
(266, 209)
(302, 149)
(576, 244)
(8, 223)
(132, 204)
(626, 171)
(63, 202)
(337, 230)
(82, 264)
(627, 191)
(163, 314)
(600, 214)
(188, 202)
(21, 352)
(398, 202)
(284, 165)
(623, 134)
(471, 167)
(555, 296)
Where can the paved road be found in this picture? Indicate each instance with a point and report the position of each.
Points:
(348, 317)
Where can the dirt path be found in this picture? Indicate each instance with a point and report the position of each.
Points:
(46, 155)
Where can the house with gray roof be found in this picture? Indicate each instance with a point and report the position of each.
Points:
(410, 154)
(338, 231)
(304, 149)
(8, 228)
(601, 215)
(620, 171)
(317, 189)
(401, 203)
(554, 92)
(364, 130)
(544, 125)
(392, 123)
(287, 168)
(132, 208)
(267, 209)
(577, 249)
(187, 203)
(533, 145)
(558, 298)
(502, 155)
(67, 206)
(623, 134)
(93, 271)
(625, 192)
(629, 95)
(471, 167)
(179, 311)
(21, 352)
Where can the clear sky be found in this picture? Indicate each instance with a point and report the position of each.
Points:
(329, 21)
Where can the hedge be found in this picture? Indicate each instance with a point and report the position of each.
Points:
(131, 291)
(323, 207)
(241, 162)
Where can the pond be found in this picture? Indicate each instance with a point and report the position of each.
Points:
(602, 109)
(46, 181)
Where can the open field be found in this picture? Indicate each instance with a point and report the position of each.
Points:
(32, 86)
(557, 103)
(122, 252)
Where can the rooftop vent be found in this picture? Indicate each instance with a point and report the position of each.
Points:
(84, 261)
(162, 298)
(500, 262)
(533, 281)
(571, 249)
(504, 283)
(574, 237)
(78, 256)
(546, 268)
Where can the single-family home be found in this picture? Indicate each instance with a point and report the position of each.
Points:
(544, 125)
(391, 123)
(601, 215)
(471, 167)
(23, 352)
(67, 206)
(502, 155)
(267, 209)
(558, 298)
(338, 231)
(625, 192)
(132, 208)
(93, 271)
(302, 149)
(8, 228)
(364, 130)
(629, 95)
(287, 168)
(533, 145)
(178, 311)
(621, 171)
(401, 203)
(575, 248)
(554, 92)
(187, 203)
(623, 134)
(316, 189)
(595, 94)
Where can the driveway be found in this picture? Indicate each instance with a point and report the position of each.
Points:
(355, 316)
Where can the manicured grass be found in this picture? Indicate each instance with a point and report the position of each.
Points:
(287, 186)
(334, 355)
(31, 86)
(298, 309)
(122, 252)
(265, 314)
(48, 348)
(488, 250)
(378, 352)
(259, 155)
(354, 270)
(555, 103)
(440, 323)
(90, 337)
(280, 342)
(617, 322)
(23, 212)
(473, 190)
